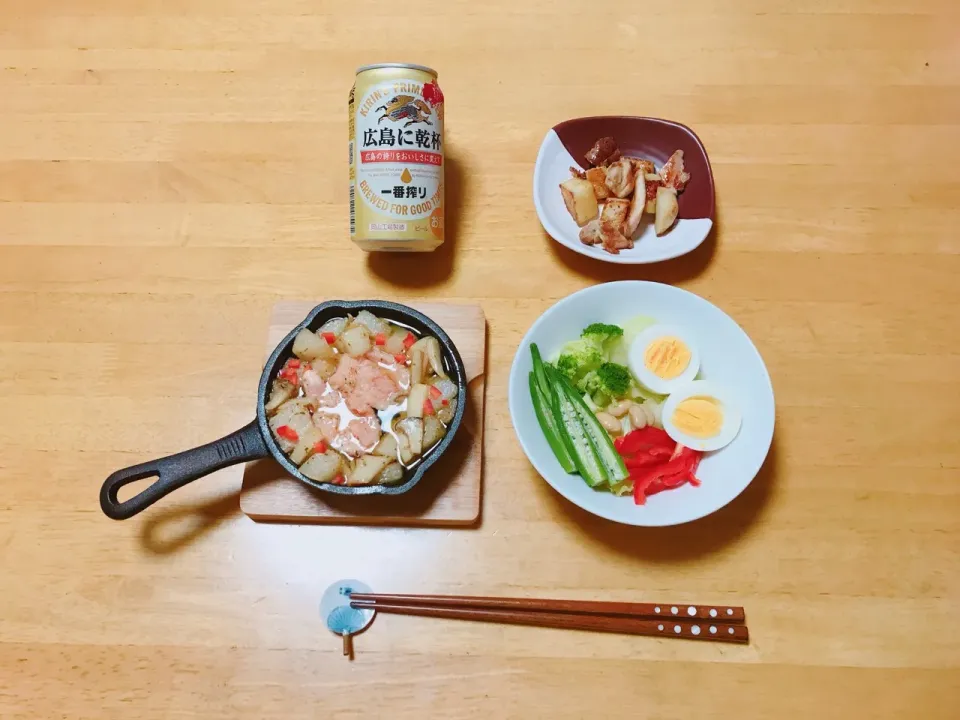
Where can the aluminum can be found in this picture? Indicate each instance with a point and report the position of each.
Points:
(396, 158)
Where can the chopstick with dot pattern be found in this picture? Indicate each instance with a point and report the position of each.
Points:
(720, 623)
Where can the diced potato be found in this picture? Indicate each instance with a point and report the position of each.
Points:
(615, 212)
(370, 321)
(418, 365)
(290, 408)
(355, 341)
(433, 431)
(431, 349)
(366, 469)
(580, 200)
(309, 346)
(333, 325)
(403, 448)
(387, 447)
(446, 386)
(299, 422)
(446, 412)
(391, 474)
(281, 391)
(412, 428)
(415, 400)
(598, 178)
(322, 467)
(667, 209)
(304, 447)
(395, 344)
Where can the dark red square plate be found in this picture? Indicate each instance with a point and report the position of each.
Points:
(564, 146)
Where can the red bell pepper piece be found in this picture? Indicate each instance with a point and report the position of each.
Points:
(320, 447)
(428, 407)
(435, 392)
(339, 480)
(329, 337)
(400, 358)
(288, 433)
(380, 339)
(637, 440)
(409, 340)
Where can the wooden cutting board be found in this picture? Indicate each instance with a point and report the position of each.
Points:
(447, 495)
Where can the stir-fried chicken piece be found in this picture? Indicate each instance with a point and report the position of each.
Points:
(643, 166)
(637, 205)
(621, 178)
(672, 173)
(615, 212)
(602, 232)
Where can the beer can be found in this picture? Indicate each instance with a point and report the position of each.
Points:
(396, 158)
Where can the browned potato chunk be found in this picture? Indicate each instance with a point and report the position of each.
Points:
(580, 201)
(598, 178)
(667, 209)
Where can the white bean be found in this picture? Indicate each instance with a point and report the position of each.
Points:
(610, 423)
(619, 409)
(653, 409)
(638, 417)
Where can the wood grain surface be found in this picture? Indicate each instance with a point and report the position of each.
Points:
(169, 169)
(448, 494)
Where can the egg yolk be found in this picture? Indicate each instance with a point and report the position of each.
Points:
(667, 357)
(700, 417)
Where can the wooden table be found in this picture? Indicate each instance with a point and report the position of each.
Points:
(169, 169)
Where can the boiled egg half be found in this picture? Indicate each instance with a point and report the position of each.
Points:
(701, 415)
(663, 358)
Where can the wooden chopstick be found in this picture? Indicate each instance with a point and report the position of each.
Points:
(727, 614)
(665, 627)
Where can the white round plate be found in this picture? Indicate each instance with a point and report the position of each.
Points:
(650, 138)
(727, 357)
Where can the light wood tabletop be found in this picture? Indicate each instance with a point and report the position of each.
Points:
(169, 169)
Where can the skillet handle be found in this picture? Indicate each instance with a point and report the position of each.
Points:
(175, 471)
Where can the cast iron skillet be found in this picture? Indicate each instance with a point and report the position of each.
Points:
(255, 440)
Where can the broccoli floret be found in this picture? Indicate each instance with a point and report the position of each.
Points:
(578, 358)
(602, 333)
(609, 381)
